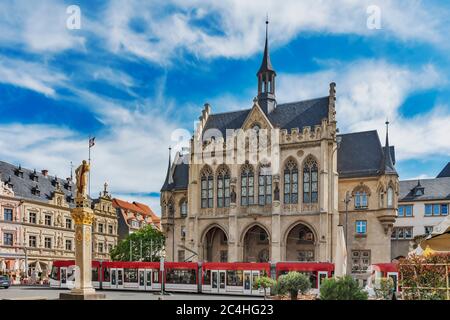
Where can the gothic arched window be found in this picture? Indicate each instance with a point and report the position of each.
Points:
(360, 199)
(207, 186)
(290, 182)
(223, 187)
(265, 186)
(183, 208)
(310, 181)
(390, 197)
(247, 186)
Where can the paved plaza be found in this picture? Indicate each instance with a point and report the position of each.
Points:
(46, 293)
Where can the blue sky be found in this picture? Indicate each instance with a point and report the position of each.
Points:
(138, 70)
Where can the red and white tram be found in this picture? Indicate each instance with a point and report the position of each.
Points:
(317, 271)
(383, 270)
(233, 278)
(206, 277)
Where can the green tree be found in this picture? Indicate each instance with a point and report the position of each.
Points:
(293, 283)
(146, 245)
(342, 288)
(265, 283)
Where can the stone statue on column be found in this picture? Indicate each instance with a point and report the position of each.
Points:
(83, 216)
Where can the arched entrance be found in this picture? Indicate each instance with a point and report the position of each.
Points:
(215, 247)
(300, 244)
(256, 245)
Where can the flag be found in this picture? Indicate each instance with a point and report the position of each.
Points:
(91, 142)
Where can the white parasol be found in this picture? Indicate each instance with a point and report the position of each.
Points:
(22, 266)
(16, 266)
(341, 253)
(3, 266)
(37, 267)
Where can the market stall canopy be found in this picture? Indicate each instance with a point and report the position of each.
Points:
(439, 239)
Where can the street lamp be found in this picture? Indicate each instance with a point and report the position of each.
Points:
(161, 267)
(347, 200)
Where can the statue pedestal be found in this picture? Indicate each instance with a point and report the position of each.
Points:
(83, 217)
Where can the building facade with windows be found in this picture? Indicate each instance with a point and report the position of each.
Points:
(268, 184)
(423, 204)
(45, 229)
(133, 216)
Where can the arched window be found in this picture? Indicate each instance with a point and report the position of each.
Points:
(265, 186)
(290, 182)
(310, 181)
(360, 199)
(207, 186)
(390, 197)
(223, 187)
(171, 208)
(247, 186)
(183, 208)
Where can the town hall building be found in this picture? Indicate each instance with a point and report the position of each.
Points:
(274, 181)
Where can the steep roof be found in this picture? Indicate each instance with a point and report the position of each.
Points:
(285, 116)
(178, 174)
(23, 187)
(445, 173)
(433, 189)
(147, 210)
(360, 154)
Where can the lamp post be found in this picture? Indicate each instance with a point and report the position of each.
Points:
(161, 267)
(347, 200)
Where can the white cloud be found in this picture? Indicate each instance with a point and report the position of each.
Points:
(30, 75)
(368, 92)
(240, 25)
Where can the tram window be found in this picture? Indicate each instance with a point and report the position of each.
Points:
(149, 278)
(113, 278)
(54, 273)
(63, 276)
(141, 278)
(235, 278)
(207, 277)
(130, 275)
(155, 276)
(106, 275)
(94, 274)
(322, 277)
(180, 276)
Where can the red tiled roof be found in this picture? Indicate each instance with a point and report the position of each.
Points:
(136, 207)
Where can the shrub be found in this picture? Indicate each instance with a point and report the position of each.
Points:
(265, 283)
(385, 289)
(293, 283)
(343, 288)
(421, 276)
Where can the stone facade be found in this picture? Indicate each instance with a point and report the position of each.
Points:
(44, 228)
(222, 202)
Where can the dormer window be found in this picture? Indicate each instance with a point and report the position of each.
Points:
(419, 192)
(34, 176)
(19, 172)
(35, 190)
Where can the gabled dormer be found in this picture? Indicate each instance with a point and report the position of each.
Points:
(34, 176)
(19, 172)
(418, 190)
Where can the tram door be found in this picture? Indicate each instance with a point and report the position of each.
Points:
(321, 276)
(116, 278)
(255, 276)
(222, 281)
(63, 278)
(214, 281)
(247, 282)
(394, 277)
(141, 279)
(148, 279)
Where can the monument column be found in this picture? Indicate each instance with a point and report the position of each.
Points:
(83, 217)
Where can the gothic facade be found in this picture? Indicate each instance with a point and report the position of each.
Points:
(268, 183)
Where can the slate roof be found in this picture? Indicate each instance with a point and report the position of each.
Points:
(361, 155)
(445, 173)
(285, 116)
(434, 189)
(180, 176)
(23, 187)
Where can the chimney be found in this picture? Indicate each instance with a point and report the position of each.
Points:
(44, 172)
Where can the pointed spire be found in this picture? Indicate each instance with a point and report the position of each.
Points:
(169, 178)
(266, 64)
(387, 166)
